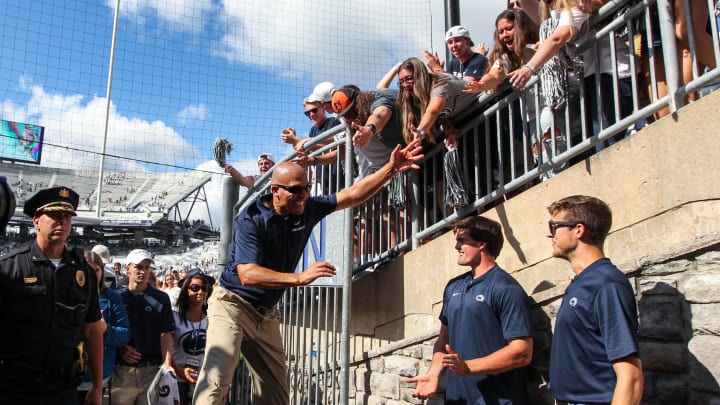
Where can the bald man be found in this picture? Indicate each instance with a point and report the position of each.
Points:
(269, 237)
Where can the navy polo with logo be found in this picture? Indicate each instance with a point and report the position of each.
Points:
(272, 241)
(597, 324)
(481, 315)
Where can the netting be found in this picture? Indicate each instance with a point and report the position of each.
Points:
(185, 72)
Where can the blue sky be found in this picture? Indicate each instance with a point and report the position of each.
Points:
(188, 71)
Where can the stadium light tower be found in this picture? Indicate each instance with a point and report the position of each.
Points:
(107, 108)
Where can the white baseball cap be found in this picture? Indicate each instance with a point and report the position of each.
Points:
(458, 31)
(322, 92)
(138, 255)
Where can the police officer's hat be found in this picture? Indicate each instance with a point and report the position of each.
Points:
(56, 199)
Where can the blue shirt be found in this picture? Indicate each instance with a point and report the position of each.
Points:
(118, 329)
(330, 123)
(150, 315)
(596, 325)
(475, 67)
(271, 241)
(481, 315)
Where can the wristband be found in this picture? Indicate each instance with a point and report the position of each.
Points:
(372, 128)
(534, 72)
(422, 133)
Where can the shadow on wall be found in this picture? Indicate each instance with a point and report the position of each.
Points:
(669, 348)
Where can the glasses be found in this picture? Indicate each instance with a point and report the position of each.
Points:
(198, 287)
(311, 111)
(554, 225)
(295, 189)
(408, 80)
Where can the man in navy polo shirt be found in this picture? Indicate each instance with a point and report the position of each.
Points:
(269, 237)
(594, 357)
(152, 325)
(485, 337)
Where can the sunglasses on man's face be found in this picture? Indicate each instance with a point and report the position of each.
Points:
(295, 189)
(198, 287)
(311, 111)
(554, 225)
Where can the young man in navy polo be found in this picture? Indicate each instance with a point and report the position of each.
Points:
(152, 326)
(594, 357)
(485, 337)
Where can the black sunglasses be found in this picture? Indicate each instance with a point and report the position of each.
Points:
(295, 189)
(554, 225)
(311, 111)
(197, 287)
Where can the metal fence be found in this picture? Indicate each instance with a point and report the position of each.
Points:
(509, 142)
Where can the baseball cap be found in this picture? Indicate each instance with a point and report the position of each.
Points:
(267, 156)
(458, 31)
(56, 199)
(343, 99)
(103, 252)
(322, 92)
(138, 255)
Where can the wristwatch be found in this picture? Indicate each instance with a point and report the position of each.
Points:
(372, 128)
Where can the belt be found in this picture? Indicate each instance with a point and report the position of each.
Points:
(262, 309)
(144, 363)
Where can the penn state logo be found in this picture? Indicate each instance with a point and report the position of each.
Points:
(479, 298)
(573, 301)
(148, 308)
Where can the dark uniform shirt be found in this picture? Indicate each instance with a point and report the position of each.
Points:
(44, 310)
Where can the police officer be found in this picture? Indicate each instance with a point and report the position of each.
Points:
(48, 304)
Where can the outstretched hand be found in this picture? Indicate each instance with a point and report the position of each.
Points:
(427, 386)
(407, 157)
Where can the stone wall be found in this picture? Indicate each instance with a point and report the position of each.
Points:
(678, 297)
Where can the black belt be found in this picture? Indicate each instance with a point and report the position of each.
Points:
(262, 309)
(144, 363)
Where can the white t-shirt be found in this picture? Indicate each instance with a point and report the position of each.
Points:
(189, 342)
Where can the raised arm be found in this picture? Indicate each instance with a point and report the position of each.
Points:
(238, 178)
(386, 80)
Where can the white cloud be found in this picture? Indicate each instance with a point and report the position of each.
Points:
(184, 15)
(75, 125)
(193, 112)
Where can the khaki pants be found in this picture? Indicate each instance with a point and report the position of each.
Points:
(235, 325)
(130, 384)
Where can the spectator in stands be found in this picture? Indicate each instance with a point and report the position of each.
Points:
(427, 100)
(572, 17)
(323, 93)
(269, 237)
(265, 162)
(594, 356)
(484, 343)
(152, 325)
(466, 64)
(315, 111)
(514, 30)
(191, 331)
(118, 324)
